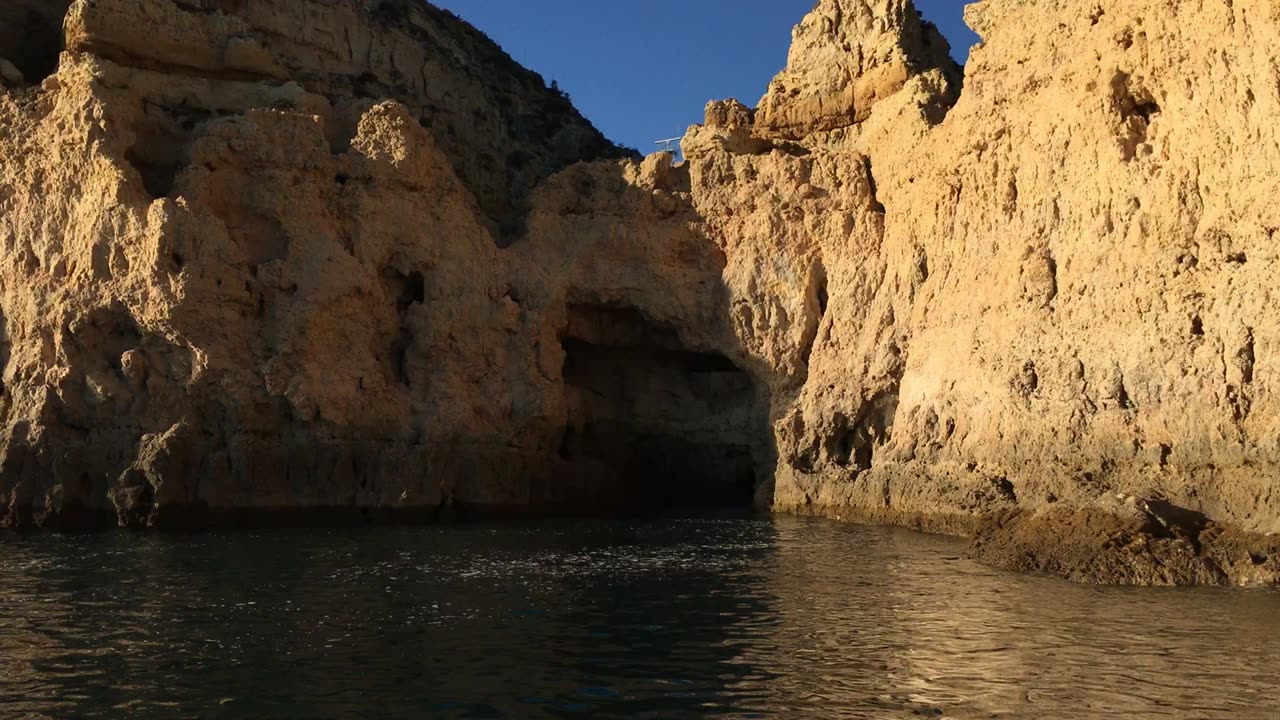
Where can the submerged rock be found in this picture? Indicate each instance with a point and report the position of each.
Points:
(345, 259)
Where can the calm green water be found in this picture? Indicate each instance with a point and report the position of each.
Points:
(664, 618)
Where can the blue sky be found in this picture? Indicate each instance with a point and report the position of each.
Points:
(642, 70)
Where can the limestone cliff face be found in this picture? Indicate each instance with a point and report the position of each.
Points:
(1055, 315)
(846, 56)
(335, 256)
(238, 279)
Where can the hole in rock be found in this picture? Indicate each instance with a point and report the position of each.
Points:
(163, 147)
(31, 36)
(408, 289)
(1145, 109)
(853, 442)
(1138, 108)
(876, 205)
(654, 425)
(824, 297)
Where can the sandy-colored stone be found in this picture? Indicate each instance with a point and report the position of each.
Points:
(1071, 270)
(335, 257)
(846, 56)
(235, 295)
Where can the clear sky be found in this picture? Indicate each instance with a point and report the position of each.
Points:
(642, 70)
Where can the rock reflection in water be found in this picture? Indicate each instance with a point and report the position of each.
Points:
(672, 618)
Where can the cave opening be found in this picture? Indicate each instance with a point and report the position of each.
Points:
(655, 426)
(31, 36)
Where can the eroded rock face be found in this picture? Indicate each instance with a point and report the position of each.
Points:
(1059, 309)
(242, 283)
(846, 56)
(500, 127)
(335, 257)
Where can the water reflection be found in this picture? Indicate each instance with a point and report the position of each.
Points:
(680, 618)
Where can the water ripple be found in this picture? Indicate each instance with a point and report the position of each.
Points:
(674, 618)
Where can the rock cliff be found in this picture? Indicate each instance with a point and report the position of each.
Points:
(341, 258)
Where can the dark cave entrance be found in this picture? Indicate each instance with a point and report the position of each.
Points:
(654, 426)
(31, 36)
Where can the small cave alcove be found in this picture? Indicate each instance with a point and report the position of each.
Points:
(31, 36)
(655, 426)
